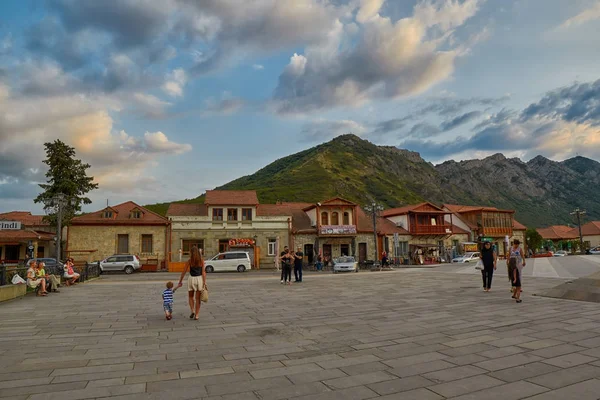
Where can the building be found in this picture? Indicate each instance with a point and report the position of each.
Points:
(488, 224)
(230, 220)
(590, 233)
(22, 233)
(555, 235)
(126, 228)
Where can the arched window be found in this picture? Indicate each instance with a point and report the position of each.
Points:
(346, 218)
(335, 219)
(324, 218)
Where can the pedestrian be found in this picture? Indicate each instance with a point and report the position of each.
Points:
(286, 264)
(51, 280)
(196, 281)
(285, 251)
(70, 274)
(298, 259)
(516, 262)
(168, 299)
(319, 262)
(488, 258)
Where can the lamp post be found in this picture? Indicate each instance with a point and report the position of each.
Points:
(579, 213)
(55, 206)
(374, 209)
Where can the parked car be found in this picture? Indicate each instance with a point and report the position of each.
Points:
(468, 257)
(593, 250)
(560, 253)
(120, 262)
(229, 261)
(345, 264)
(543, 255)
(51, 266)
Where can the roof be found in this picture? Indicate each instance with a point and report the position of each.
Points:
(384, 225)
(590, 229)
(459, 231)
(231, 198)
(24, 234)
(426, 208)
(187, 210)
(300, 220)
(336, 201)
(25, 217)
(557, 232)
(456, 208)
(121, 216)
(518, 226)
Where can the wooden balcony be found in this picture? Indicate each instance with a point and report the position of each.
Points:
(438, 230)
(495, 231)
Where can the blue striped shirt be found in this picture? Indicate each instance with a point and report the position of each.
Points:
(168, 296)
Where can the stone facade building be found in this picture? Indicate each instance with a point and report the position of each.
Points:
(126, 228)
(21, 229)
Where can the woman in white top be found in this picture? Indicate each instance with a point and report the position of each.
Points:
(515, 262)
(33, 281)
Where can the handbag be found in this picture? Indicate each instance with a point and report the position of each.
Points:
(204, 295)
(479, 265)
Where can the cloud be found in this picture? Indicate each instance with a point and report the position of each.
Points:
(386, 60)
(460, 120)
(424, 130)
(227, 105)
(258, 67)
(322, 130)
(6, 44)
(391, 125)
(565, 122)
(451, 106)
(368, 9)
(590, 14)
(173, 86)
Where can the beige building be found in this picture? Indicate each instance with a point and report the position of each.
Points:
(122, 229)
(19, 230)
(590, 233)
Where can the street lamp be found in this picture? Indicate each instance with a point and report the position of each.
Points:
(579, 213)
(374, 209)
(55, 205)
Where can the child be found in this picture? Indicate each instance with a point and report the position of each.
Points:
(168, 299)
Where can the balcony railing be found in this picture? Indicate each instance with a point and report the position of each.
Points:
(430, 229)
(496, 231)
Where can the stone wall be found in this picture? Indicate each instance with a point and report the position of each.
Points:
(104, 239)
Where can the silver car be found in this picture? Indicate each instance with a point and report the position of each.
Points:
(126, 262)
(468, 257)
(345, 264)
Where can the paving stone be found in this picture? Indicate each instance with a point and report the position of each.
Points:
(510, 391)
(466, 359)
(416, 359)
(416, 394)
(316, 376)
(464, 386)
(587, 390)
(296, 369)
(540, 344)
(565, 377)
(245, 386)
(497, 364)
(90, 393)
(32, 390)
(570, 360)
(344, 362)
(358, 380)
(293, 391)
(422, 368)
(452, 374)
(106, 382)
(525, 371)
(555, 351)
(354, 393)
(152, 378)
(399, 385)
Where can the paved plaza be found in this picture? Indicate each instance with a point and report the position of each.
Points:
(407, 334)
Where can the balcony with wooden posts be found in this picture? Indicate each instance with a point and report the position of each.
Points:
(429, 224)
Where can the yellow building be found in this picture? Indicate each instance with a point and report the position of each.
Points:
(122, 229)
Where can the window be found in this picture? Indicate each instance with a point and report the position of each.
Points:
(232, 214)
(124, 259)
(137, 214)
(403, 248)
(122, 244)
(107, 214)
(246, 214)
(324, 218)
(223, 245)
(344, 250)
(335, 219)
(186, 245)
(271, 247)
(217, 214)
(346, 218)
(455, 244)
(146, 243)
(235, 256)
(440, 244)
(111, 259)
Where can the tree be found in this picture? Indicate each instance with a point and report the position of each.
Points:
(534, 239)
(66, 175)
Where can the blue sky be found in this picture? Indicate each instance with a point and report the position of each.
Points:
(168, 98)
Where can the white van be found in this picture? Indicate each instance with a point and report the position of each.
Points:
(229, 261)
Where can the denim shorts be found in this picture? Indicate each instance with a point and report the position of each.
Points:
(168, 307)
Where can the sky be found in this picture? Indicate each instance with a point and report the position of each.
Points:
(168, 98)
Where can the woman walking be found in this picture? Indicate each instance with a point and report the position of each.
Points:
(488, 257)
(196, 281)
(516, 262)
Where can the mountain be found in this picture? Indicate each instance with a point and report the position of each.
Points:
(542, 191)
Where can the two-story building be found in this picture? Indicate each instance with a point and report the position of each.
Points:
(127, 228)
(591, 234)
(20, 230)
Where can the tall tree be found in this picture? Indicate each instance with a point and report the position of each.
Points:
(66, 175)
(534, 239)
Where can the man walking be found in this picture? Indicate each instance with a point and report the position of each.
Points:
(298, 258)
(281, 258)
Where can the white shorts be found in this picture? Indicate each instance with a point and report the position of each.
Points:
(33, 284)
(195, 284)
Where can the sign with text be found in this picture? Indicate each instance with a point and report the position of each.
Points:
(337, 230)
(10, 225)
(241, 242)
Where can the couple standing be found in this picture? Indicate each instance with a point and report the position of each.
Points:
(515, 261)
(287, 259)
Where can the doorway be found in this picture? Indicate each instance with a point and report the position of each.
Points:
(344, 249)
(327, 252)
(40, 252)
(223, 245)
(12, 252)
(362, 252)
(309, 253)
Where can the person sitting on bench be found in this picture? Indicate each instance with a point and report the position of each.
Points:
(34, 282)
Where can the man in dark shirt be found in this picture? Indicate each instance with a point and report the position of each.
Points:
(298, 258)
(282, 259)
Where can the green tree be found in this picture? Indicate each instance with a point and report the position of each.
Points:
(66, 175)
(534, 239)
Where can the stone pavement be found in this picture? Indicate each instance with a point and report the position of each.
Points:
(406, 334)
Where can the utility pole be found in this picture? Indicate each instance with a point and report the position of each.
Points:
(579, 213)
(374, 210)
(56, 205)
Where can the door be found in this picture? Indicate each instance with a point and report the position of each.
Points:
(327, 252)
(110, 264)
(345, 249)
(230, 262)
(40, 252)
(309, 253)
(12, 253)
(362, 252)
(379, 247)
(122, 244)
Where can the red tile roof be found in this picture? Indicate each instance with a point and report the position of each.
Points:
(518, 226)
(25, 217)
(455, 208)
(421, 207)
(300, 220)
(590, 229)
(231, 198)
(24, 235)
(187, 210)
(121, 216)
(459, 231)
(558, 232)
(384, 225)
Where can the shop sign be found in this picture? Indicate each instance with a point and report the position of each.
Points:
(10, 225)
(470, 246)
(337, 230)
(241, 242)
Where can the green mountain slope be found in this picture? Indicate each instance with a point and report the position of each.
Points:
(542, 191)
